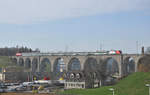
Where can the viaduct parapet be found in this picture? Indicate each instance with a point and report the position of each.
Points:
(124, 63)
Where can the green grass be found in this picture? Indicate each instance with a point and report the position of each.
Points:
(132, 85)
(5, 61)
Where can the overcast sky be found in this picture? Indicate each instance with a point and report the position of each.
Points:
(75, 25)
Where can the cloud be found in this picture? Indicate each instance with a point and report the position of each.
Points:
(32, 11)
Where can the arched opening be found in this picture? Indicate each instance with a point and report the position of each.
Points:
(74, 65)
(91, 65)
(91, 70)
(110, 71)
(59, 68)
(34, 64)
(45, 65)
(144, 64)
(110, 67)
(21, 62)
(128, 66)
(14, 60)
(28, 63)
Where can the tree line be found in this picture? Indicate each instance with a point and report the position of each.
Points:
(11, 51)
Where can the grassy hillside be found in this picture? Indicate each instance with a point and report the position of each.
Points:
(5, 61)
(132, 85)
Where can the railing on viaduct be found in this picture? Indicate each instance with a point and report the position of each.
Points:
(121, 64)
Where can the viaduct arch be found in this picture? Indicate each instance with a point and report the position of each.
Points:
(121, 65)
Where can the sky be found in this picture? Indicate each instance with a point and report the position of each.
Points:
(75, 25)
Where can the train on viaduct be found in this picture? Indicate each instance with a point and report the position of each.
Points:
(114, 65)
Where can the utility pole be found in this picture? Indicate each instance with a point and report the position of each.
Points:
(137, 46)
(100, 46)
(148, 85)
(113, 91)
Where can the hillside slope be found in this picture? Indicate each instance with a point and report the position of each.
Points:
(132, 85)
(5, 61)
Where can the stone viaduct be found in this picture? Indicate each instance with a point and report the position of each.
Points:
(123, 61)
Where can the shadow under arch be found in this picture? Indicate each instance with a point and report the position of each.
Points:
(14, 60)
(91, 64)
(45, 65)
(110, 71)
(110, 67)
(128, 66)
(59, 68)
(143, 64)
(92, 72)
(34, 65)
(28, 63)
(21, 62)
(74, 64)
